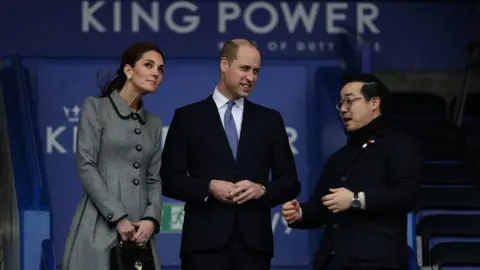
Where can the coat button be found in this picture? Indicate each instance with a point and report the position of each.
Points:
(134, 116)
(138, 131)
(139, 147)
(136, 165)
(110, 216)
(136, 182)
(335, 226)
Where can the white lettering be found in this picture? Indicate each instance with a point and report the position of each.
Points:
(315, 46)
(152, 20)
(366, 20)
(331, 46)
(88, 19)
(74, 146)
(300, 46)
(277, 216)
(52, 139)
(272, 46)
(224, 16)
(191, 21)
(288, 230)
(117, 16)
(292, 138)
(247, 17)
(277, 46)
(53, 135)
(333, 16)
(295, 15)
(291, 20)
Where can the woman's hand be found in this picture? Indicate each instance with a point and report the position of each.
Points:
(144, 229)
(126, 229)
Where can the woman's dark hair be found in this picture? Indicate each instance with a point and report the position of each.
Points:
(131, 55)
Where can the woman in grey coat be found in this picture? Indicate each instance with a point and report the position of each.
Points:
(118, 164)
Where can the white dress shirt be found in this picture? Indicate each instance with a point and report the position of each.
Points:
(237, 109)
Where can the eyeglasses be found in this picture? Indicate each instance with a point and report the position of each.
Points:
(348, 103)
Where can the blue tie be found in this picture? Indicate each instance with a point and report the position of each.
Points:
(231, 129)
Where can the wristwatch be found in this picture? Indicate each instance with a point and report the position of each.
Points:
(356, 201)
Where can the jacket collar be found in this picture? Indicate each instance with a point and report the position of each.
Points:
(124, 111)
(221, 100)
(373, 129)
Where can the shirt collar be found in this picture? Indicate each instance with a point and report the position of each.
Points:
(124, 111)
(220, 100)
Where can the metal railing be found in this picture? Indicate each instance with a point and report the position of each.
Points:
(472, 63)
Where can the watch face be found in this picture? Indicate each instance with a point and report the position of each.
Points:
(356, 203)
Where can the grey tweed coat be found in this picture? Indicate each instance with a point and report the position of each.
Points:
(118, 164)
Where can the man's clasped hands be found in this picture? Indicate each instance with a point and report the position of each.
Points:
(239, 192)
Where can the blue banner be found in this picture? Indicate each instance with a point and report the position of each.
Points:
(403, 35)
(61, 86)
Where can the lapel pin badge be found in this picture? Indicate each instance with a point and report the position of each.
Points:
(366, 144)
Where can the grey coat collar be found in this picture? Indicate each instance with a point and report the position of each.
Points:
(124, 111)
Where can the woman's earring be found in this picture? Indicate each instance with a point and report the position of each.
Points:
(129, 77)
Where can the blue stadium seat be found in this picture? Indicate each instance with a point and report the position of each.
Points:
(443, 201)
(444, 228)
(455, 256)
(412, 260)
(455, 200)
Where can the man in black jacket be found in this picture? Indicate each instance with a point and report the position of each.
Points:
(366, 188)
(217, 158)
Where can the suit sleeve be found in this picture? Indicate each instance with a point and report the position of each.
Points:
(284, 185)
(89, 135)
(314, 213)
(153, 211)
(177, 183)
(404, 179)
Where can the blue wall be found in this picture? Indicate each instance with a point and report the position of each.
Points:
(409, 35)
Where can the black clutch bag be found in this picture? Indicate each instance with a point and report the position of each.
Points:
(128, 256)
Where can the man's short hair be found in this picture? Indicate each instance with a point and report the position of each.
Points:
(230, 48)
(372, 87)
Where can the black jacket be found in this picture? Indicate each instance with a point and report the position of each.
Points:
(197, 150)
(387, 170)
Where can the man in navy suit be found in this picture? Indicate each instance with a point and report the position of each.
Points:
(217, 158)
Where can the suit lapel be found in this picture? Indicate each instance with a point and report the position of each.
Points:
(216, 130)
(247, 130)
